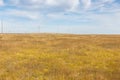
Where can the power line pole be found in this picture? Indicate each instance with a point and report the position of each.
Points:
(1, 26)
(39, 29)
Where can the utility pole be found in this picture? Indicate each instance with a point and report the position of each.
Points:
(1, 26)
(39, 29)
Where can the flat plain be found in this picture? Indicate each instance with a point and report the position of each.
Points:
(59, 57)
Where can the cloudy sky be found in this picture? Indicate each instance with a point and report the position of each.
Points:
(61, 16)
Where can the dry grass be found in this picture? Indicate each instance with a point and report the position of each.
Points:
(59, 57)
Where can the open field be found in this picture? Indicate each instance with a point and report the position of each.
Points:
(59, 57)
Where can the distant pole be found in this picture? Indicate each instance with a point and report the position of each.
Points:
(39, 29)
(1, 26)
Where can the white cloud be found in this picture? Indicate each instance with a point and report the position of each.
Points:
(1, 2)
(51, 2)
(21, 13)
(86, 3)
(74, 4)
(13, 2)
(60, 5)
(66, 5)
(55, 8)
(25, 14)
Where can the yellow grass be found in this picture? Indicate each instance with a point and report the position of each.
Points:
(59, 57)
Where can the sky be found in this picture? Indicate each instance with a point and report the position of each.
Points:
(61, 16)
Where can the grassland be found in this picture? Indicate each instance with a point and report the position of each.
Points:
(59, 57)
